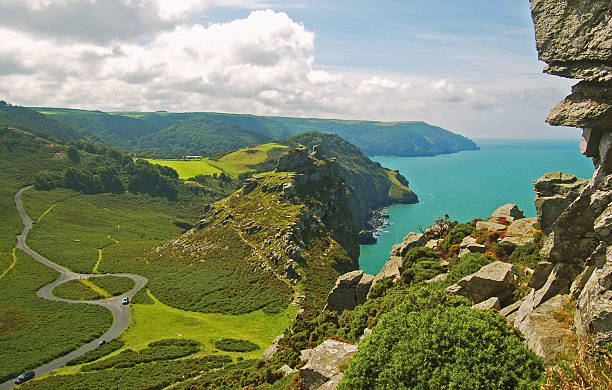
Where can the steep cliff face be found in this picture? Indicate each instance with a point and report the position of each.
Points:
(574, 37)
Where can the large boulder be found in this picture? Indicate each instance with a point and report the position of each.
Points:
(544, 334)
(271, 350)
(594, 308)
(350, 290)
(522, 227)
(490, 226)
(492, 280)
(555, 191)
(393, 269)
(343, 294)
(412, 240)
(326, 361)
(508, 212)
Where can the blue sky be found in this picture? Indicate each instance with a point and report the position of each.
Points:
(469, 66)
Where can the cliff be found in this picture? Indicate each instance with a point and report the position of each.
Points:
(575, 39)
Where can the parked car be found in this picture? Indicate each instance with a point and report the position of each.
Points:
(102, 342)
(26, 376)
(125, 301)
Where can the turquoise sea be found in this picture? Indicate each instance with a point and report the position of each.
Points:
(472, 184)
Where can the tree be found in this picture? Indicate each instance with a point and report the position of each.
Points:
(73, 154)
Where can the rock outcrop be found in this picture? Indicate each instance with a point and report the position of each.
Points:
(325, 362)
(492, 280)
(575, 39)
(554, 192)
(412, 240)
(351, 289)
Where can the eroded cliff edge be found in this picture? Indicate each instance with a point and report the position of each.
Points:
(574, 38)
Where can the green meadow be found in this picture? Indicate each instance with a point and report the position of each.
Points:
(233, 164)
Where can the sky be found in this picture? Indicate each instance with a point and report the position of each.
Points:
(469, 66)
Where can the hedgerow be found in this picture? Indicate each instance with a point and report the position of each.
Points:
(97, 353)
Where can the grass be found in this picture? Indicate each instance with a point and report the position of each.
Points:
(189, 168)
(33, 330)
(79, 231)
(93, 288)
(159, 321)
(97, 353)
(233, 164)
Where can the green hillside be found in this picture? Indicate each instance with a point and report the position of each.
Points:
(169, 135)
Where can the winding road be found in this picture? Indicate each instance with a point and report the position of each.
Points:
(121, 313)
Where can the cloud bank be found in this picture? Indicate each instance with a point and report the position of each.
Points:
(151, 55)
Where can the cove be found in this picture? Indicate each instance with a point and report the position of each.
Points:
(471, 184)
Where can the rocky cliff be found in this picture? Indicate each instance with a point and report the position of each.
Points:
(575, 39)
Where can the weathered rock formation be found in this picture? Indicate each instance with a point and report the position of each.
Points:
(325, 363)
(575, 39)
(351, 289)
(412, 240)
(492, 280)
(554, 192)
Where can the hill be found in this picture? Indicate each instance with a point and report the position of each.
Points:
(165, 134)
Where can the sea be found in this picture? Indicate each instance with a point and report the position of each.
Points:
(471, 184)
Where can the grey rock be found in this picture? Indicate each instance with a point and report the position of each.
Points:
(490, 226)
(594, 307)
(476, 248)
(305, 354)
(363, 288)
(333, 383)
(325, 362)
(558, 282)
(522, 227)
(495, 279)
(437, 278)
(595, 261)
(433, 244)
(509, 212)
(543, 333)
(393, 269)
(344, 294)
(467, 241)
(512, 308)
(294, 160)
(603, 225)
(367, 332)
(269, 352)
(489, 304)
(286, 370)
(540, 275)
(412, 240)
(518, 241)
(463, 252)
(555, 191)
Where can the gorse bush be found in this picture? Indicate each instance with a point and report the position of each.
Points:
(457, 234)
(97, 353)
(234, 345)
(453, 348)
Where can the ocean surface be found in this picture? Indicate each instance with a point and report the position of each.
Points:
(471, 184)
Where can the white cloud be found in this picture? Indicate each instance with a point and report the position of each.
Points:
(261, 64)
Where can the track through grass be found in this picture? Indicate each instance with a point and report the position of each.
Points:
(10, 267)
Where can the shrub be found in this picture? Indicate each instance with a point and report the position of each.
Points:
(455, 348)
(467, 265)
(527, 255)
(380, 288)
(421, 271)
(457, 234)
(97, 353)
(504, 249)
(419, 254)
(235, 345)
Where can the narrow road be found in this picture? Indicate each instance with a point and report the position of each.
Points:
(121, 313)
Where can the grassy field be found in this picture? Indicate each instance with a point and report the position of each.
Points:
(86, 232)
(33, 331)
(233, 164)
(189, 168)
(94, 288)
(159, 321)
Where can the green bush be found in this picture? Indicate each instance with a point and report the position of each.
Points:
(527, 255)
(97, 353)
(419, 254)
(457, 234)
(421, 271)
(380, 287)
(235, 345)
(503, 249)
(454, 348)
(467, 265)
